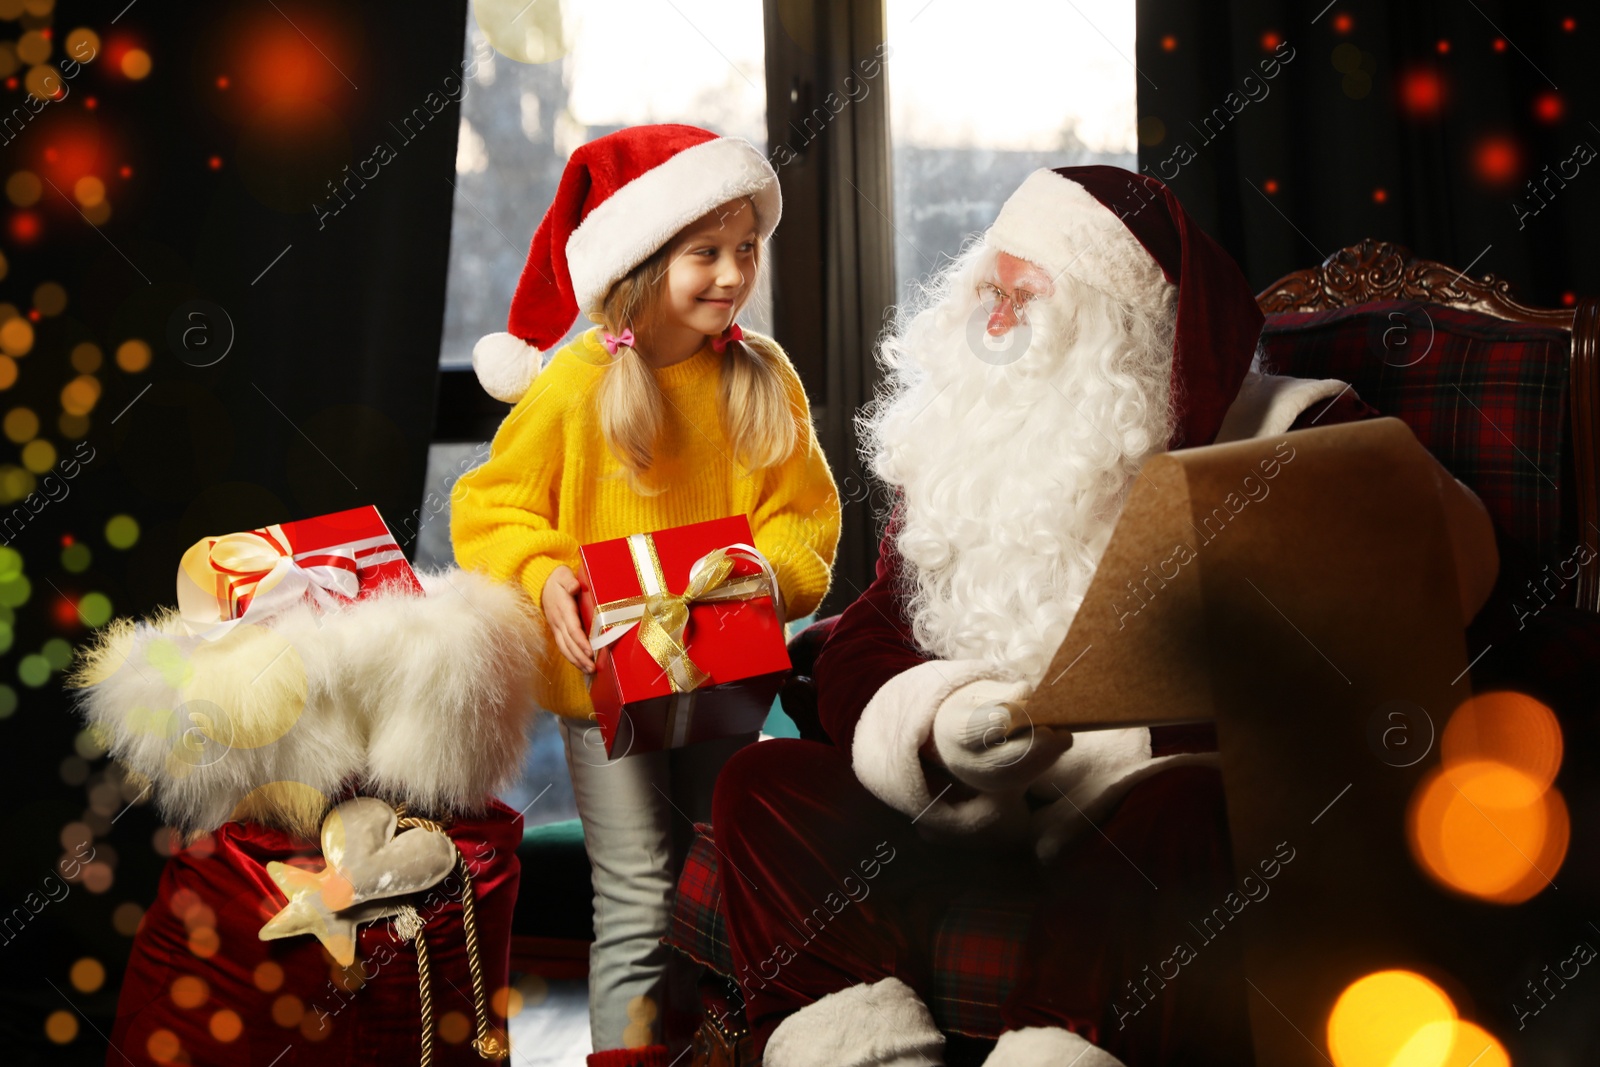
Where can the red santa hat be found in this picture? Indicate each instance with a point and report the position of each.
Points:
(621, 197)
(1126, 235)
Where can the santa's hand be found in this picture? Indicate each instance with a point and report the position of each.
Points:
(983, 736)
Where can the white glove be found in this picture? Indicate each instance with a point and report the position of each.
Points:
(983, 736)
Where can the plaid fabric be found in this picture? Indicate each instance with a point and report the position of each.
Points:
(977, 952)
(1486, 396)
(699, 929)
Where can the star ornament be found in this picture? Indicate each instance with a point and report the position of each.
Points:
(368, 874)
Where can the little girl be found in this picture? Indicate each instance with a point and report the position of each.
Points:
(667, 413)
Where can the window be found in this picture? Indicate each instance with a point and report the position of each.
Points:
(1057, 90)
(1044, 84)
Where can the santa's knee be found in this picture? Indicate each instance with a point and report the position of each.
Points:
(770, 787)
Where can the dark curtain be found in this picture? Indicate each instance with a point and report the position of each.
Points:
(1404, 121)
(280, 191)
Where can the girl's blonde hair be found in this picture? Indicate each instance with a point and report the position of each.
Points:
(757, 416)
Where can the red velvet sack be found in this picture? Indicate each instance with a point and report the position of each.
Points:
(201, 988)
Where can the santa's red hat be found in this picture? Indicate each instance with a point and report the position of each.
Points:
(1126, 235)
(621, 197)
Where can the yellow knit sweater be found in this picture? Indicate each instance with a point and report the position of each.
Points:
(551, 484)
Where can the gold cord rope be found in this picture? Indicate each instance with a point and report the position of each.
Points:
(488, 1046)
(425, 999)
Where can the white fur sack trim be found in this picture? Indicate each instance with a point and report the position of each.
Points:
(424, 699)
(505, 365)
(1055, 222)
(626, 228)
(1268, 404)
(1047, 1046)
(873, 1024)
(894, 726)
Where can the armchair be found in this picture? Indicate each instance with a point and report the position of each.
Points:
(1506, 396)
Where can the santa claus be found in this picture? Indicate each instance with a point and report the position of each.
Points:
(1092, 326)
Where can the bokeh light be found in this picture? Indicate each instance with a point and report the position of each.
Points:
(86, 357)
(87, 975)
(83, 44)
(1422, 92)
(61, 1027)
(1511, 728)
(226, 1025)
(95, 609)
(33, 671)
(1377, 1016)
(1452, 1044)
(1548, 107)
(268, 976)
(50, 298)
(287, 1010)
(135, 64)
(1489, 822)
(1497, 160)
(24, 188)
(122, 531)
(189, 991)
(163, 1046)
(454, 1027)
(16, 338)
(126, 918)
(58, 653)
(21, 424)
(79, 396)
(38, 455)
(133, 356)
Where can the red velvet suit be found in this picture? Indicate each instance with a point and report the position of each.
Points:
(796, 825)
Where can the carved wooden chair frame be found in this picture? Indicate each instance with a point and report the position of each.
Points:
(1378, 270)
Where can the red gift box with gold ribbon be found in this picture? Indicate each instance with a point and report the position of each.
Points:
(688, 630)
(248, 576)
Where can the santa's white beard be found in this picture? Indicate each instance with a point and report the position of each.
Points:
(1012, 475)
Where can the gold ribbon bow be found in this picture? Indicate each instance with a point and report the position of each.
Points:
(662, 616)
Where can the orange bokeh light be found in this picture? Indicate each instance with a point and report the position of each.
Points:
(1452, 1044)
(1380, 1014)
(1510, 728)
(276, 63)
(1489, 822)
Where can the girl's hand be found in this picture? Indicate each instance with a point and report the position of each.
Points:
(560, 603)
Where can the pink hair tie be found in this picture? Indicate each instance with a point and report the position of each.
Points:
(732, 333)
(613, 342)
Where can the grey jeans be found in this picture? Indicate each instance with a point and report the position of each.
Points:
(638, 816)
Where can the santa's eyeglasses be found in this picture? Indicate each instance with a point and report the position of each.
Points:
(992, 298)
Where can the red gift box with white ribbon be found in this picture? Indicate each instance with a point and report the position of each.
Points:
(688, 630)
(249, 576)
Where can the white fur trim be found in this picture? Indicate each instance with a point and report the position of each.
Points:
(1056, 223)
(1047, 1046)
(1268, 404)
(634, 221)
(505, 365)
(876, 1024)
(422, 698)
(894, 726)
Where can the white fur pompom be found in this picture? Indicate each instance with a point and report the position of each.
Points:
(506, 365)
